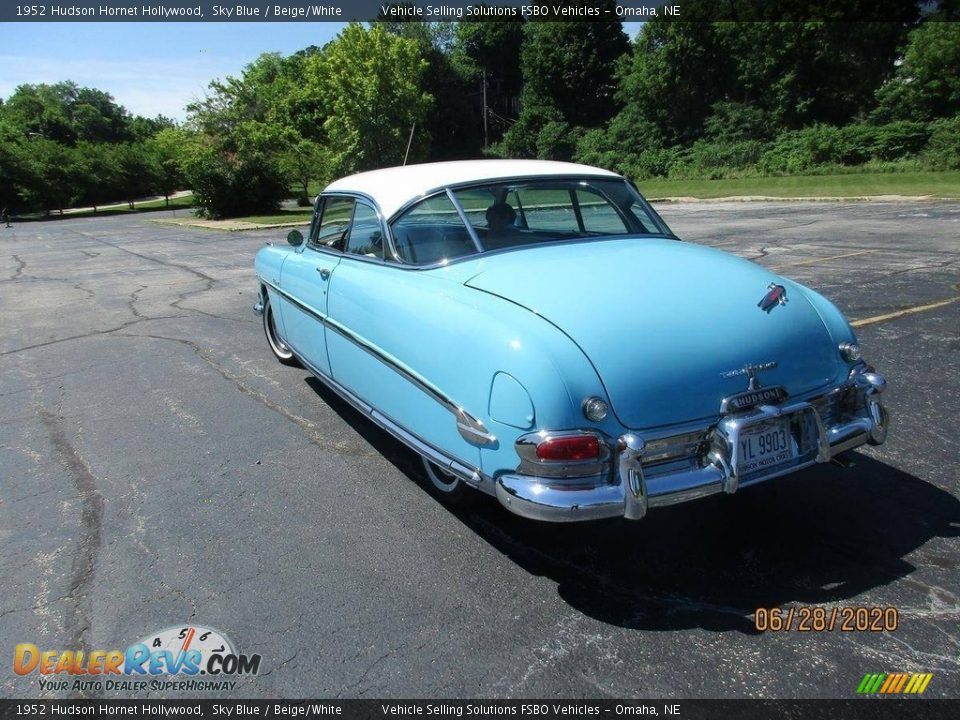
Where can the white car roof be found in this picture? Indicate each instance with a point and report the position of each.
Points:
(394, 187)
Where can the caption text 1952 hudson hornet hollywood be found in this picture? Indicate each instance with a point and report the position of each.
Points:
(535, 331)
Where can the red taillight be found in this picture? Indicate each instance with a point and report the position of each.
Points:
(569, 449)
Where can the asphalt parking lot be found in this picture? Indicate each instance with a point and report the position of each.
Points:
(157, 467)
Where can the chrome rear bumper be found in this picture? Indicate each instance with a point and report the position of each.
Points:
(631, 488)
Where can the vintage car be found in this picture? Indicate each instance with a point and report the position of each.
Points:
(535, 331)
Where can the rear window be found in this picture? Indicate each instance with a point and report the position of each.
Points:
(544, 210)
(512, 214)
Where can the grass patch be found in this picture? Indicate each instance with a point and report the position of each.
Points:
(314, 188)
(936, 184)
(179, 203)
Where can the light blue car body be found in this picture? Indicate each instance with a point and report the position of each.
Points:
(463, 360)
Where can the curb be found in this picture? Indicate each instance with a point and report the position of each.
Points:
(227, 225)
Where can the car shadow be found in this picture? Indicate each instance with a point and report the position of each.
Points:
(820, 537)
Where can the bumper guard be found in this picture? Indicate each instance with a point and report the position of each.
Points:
(630, 491)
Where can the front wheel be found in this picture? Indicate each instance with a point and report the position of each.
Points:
(279, 348)
(448, 487)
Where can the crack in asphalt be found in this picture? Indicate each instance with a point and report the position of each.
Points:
(363, 677)
(925, 266)
(764, 252)
(21, 266)
(208, 280)
(308, 426)
(92, 333)
(131, 304)
(91, 522)
(149, 258)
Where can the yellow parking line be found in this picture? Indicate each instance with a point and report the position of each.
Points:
(814, 261)
(902, 313)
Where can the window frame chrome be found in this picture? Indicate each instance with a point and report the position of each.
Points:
(384, 229)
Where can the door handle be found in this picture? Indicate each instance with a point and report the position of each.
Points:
(324, 273)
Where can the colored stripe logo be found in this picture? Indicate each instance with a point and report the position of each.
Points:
(894, 683)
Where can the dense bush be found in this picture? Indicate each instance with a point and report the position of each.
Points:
(650, 162)
(225, 185)
(557, 141)
(822, 145)
(943, 149)
(707, 159)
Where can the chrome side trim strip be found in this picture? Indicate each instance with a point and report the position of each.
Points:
(316, 314)
(471, 428)
(464, 471)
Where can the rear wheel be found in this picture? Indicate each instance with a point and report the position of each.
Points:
(279, 348)
(448, 487)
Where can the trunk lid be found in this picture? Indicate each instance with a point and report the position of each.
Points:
(662, 321)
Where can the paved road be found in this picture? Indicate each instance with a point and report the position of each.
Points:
(158, 467)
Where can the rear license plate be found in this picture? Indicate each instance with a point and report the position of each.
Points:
(765, 446)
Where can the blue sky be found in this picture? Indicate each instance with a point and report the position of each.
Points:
(149, 68)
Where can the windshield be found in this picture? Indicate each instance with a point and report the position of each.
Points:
(524, 212)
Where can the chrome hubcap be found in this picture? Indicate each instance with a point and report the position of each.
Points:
(278, 345)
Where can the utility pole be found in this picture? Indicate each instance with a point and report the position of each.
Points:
(486, 136)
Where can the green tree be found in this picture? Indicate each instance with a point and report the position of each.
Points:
(137, 171)
(489, 52)
(670, 82)
(12, 167)
(244, 125)
(926, 85)
(257, 110)
(98, 178)
(451, 128)
(370, 84)
(228, 185)
(170, 149)
(305, 162)
(800, 73)
(67, 113)
(569, 77)
(142, 128)
(53, 174)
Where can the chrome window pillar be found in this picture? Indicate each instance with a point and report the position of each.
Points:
(466, 222)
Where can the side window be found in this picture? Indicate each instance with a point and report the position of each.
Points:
(548, 210)
(431, 232)
(475, 202)
(365, 236)
(599, 216)
(334, 223)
